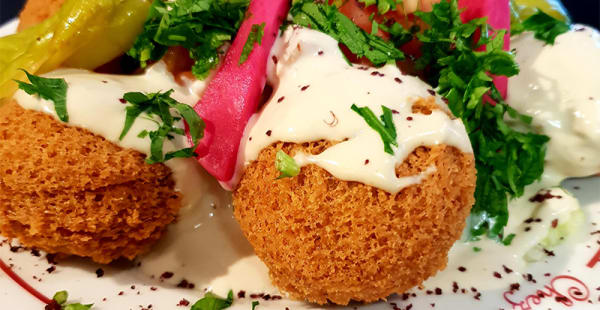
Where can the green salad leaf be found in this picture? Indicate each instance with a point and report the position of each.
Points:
(211, 301)
(254, 37)
(60, 298)
(159, 107)
(544, 27)
(383, 6)
(201, 26)
(384, 125)
(329, 20)
(54, 90)
(506, 159)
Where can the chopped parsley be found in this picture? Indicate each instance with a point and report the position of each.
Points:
(328, 19)
(286, 165)
(506, 159)
(385, 127)
(383, 6)
(254, 304)
(60, 299)
(544, 27)
(201, 26)
(54, 90)
(158, 107)
(211, 301)
(254, 37)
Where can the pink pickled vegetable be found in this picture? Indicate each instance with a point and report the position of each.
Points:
(498, 14)
(233, 95)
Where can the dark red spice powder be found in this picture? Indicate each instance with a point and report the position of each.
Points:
(99, 273)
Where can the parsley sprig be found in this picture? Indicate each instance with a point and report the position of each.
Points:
(54, 90)
(254, 37)
(383, 6)
(158, 107)
(384, 127)
(328, 19)
(201, 26)
(211, 301)
(60, 301)
(544, 27)
(506, 159)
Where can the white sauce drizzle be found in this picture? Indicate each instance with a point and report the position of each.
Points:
(559, 86)
(94, 102)
(314, 88)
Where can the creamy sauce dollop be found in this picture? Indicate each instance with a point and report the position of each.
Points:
(559, 86)
(314, 88)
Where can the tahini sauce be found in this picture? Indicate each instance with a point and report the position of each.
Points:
(314, 88)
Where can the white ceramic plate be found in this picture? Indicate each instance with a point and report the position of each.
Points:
(569, 279)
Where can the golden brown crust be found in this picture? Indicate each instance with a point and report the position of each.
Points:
(66, 190)
(36, 11)
(327, 240)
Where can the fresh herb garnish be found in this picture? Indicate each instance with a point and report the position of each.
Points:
(254, 304)
(385, 127)
(286, 165)
(200, 26)
(544, 27)
(506, 159)
(160, 105)
(211, 301)
(254, 37)
(60, 298)
(383, 6)
(54, 90)
(476, 249)
(328, 19)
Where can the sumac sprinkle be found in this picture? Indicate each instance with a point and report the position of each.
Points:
(541, 197)
(241, 294)
(166, 275)
(497, 275)
(438, 291)
(366, 161)
(280, 99)
(51, 269)
(275, 60)
(506, 269)
(304, 87)
(431, 92)
(398, 80)
(53, 306)
(121, 293)
(184, 302)
(269, 132)
(99, 273)
(122, 100)
(320, 53)
(462, 269)
(410, 118)
(515, 286)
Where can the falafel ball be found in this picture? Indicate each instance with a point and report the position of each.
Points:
(65, 190)
(328, 240)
